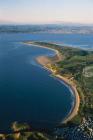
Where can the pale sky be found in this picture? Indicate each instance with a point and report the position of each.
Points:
(46, 11)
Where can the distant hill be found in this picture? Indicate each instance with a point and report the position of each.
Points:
(48, 28)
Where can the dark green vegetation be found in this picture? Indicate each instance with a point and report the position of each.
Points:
(77, 65)
(23, 132)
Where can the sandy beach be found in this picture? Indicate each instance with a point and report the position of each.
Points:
(57, 53)
(45, 61)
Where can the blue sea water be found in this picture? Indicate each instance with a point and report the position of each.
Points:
(27, 92)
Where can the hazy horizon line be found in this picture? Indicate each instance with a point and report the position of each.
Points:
(43, 23)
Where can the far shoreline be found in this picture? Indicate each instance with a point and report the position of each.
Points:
(45, 62)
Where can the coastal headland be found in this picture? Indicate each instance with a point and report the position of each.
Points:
(50, 63)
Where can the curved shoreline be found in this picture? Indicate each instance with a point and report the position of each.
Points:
(45, 62)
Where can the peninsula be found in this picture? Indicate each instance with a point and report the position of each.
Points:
(71, 65)
(50, 63)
